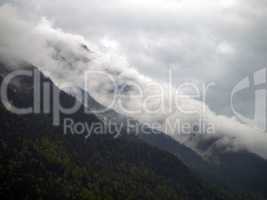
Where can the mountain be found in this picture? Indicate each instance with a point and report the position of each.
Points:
(238, 170)
(41, 161)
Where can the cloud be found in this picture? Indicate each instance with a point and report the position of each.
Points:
(66, 57)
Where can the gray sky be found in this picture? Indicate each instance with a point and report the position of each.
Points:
(221, 41)
(204, 41)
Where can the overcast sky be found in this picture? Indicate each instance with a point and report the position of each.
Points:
(210, 41)
(205, 41)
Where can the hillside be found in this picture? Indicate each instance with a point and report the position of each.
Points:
(39, 162)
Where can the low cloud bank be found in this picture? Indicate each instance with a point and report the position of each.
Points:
(66, 58)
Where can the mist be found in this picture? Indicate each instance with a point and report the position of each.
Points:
(67, 57)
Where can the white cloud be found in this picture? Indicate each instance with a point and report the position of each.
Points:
(225, 48)
(150, 40)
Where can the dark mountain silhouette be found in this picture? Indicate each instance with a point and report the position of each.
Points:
(240, 171)
(37, 161)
